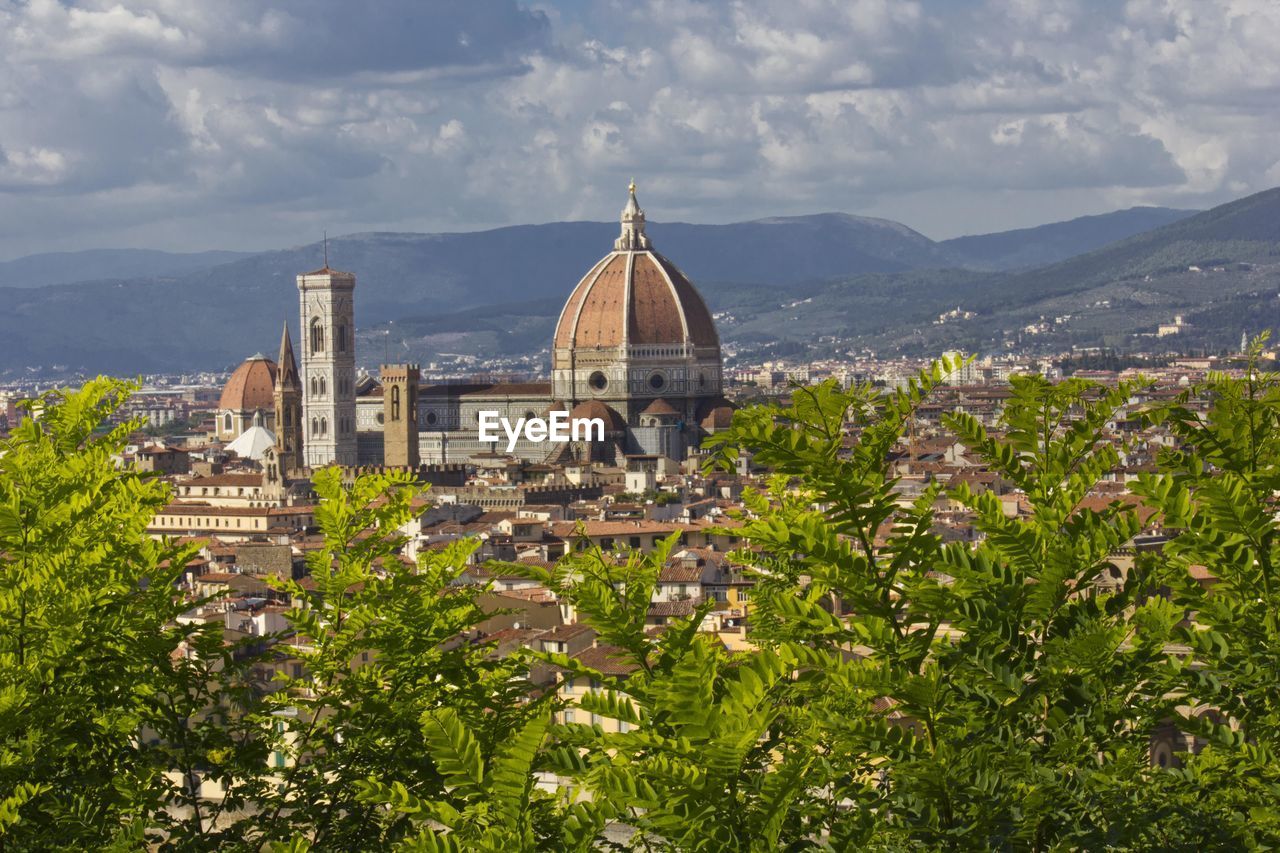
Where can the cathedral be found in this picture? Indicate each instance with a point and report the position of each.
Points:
(634, 347)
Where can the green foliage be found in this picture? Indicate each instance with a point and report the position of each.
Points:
(902, 694)
(113, 714)
(376, 656)
(986, 696)
(709, 760)
(1217, 489)
(492, 803)
(84, 598)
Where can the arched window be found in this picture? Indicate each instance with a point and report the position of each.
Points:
(395, 402)
(323, 386)
(317, 336)
(324, 426)
(315, 427)
(342, 338)
(226, 422)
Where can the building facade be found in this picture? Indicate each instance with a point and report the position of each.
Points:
(634, 332)
(634, 347)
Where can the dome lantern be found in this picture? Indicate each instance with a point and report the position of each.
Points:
(632, 237)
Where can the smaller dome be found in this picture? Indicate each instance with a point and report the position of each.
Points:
(716, 414)
(251, 386)
(659, 407)
(613, 421)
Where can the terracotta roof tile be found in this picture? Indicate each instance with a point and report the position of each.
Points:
(636, 298)
(251, 386)
(610, 660)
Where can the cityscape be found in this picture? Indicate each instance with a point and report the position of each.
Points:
(500, 526)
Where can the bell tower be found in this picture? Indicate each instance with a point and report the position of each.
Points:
(328, 375)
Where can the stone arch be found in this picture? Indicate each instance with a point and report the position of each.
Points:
(317, 336)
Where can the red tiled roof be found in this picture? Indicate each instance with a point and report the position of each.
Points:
(609, 660)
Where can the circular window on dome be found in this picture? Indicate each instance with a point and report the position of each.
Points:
(598, 381)
(381, 418)
(657, 381)
(432, 417)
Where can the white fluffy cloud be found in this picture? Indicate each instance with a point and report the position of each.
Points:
(173, 124)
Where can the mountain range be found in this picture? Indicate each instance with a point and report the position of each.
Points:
(785, 282)
(68, 267)
(1219, 269)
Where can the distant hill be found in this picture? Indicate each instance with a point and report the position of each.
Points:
(1220, 269)
(95, 264)
(796, 281)
(1245, 230)
(233, 309)
(1057, 241)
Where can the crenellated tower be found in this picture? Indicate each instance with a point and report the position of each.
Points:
(400, 415)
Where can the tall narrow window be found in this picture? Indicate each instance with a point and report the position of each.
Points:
(395, 402)
(324, 426)
(226, 422)
(324, 387)
(342, 338)
(317, 336)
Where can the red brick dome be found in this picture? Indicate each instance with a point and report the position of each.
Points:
(251, 386)
(634, 296)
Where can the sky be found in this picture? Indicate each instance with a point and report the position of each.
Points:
(185, 125)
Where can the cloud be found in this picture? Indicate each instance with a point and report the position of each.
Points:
(175, 124)
(303, 39)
